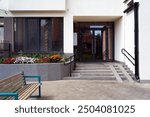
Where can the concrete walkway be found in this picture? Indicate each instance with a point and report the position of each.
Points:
(94, 90)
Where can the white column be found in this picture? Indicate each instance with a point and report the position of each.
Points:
(68, 34)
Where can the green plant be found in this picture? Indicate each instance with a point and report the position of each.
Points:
(1, 60)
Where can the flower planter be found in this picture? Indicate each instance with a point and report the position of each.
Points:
(48, 71)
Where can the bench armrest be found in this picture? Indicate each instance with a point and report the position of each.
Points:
(34, 77)
(9, 94)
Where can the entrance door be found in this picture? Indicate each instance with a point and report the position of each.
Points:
(95, 41)
(91, 44)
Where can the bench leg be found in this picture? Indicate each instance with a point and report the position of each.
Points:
(39, 91)
(38, 95)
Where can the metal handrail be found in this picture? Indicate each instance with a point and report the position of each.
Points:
(70, 60)
(126, 54)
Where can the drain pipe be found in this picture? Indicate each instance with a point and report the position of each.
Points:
(136, 40)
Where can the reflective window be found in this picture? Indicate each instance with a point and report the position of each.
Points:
(39, 34)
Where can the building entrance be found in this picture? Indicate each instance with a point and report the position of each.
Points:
(95, 41)
(91, 44)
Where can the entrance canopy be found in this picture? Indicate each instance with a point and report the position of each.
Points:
(95, 18)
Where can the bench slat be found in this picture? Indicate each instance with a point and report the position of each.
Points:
(12, 83)
(11, 87)
(13, 77)
(11, 80)
(28, 91)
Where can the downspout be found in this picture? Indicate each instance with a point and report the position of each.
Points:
(136, 39)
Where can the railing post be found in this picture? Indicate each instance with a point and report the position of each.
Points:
(74, 61)
(70, 66)
(9, 49)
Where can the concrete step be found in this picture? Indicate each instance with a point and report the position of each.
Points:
(92, 71)
(92, 65)
(92, 68)
(89, 78)
(92, 74)
(102, 71)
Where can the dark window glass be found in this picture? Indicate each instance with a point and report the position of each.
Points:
(19, 25)
(56, 30)
(31, 34)
(39, 34)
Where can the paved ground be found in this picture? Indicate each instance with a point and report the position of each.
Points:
(93, 90)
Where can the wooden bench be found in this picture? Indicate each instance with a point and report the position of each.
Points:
(16, 87)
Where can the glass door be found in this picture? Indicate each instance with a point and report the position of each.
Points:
(91, 45)
(87, 45)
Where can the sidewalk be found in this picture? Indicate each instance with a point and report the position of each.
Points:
(93, 90)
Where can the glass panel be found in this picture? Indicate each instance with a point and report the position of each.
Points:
(98, 44)
(19, 24)
(1, 34)
(51, 34)
(87, 44)
(1, 22)
(32, 35)
(45, 35)
(57, 34)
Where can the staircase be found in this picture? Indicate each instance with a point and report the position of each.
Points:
(110, 71)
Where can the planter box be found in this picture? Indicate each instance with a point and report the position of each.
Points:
(48, 71)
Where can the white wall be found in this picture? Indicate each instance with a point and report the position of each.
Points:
(95, 7)
(4, 4)
(129, 36)
(119, 39)
(3, 7)
(37, 5)
(144, 40)
(124, 37)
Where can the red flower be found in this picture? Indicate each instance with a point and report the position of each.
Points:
(8, 61)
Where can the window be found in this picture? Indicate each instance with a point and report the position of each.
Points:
(1, 30)
(39, 34)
